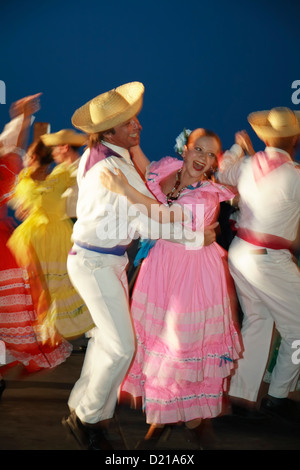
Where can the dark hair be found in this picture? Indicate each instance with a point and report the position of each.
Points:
(96, 138)
(42, 151)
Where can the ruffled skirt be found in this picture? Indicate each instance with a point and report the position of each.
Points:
(20, 340)
(187, 339)
(41, 245)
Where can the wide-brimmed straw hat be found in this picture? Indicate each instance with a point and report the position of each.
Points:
(63, 137)
(110, 108)
(278, 122)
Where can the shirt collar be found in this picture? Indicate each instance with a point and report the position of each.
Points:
(276, 150)
(120, 150)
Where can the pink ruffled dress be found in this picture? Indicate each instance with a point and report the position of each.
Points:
(187, 340)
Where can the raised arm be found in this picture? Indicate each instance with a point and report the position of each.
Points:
(229, 165)
(243, 140)
(27, 106)
(16, 132)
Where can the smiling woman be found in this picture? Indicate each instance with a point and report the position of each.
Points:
(199, 162)
(181, 303)
(200, 156)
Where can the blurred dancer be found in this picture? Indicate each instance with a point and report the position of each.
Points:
(181, 305)
(65, 146)
(42, 241)
(266, 277)
(18, 319)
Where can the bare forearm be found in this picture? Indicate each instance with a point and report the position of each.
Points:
(24, 133)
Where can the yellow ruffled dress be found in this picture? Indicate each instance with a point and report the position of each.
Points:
(41, 244)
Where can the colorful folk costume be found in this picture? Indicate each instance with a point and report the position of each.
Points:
(41, 244)
(19, 331)
(266, 277)
(181, 306)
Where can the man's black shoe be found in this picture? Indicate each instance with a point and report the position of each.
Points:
(77, 429)
(282, 408)
(98, 439)
(89, 438)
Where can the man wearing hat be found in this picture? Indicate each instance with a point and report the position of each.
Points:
(98, 260)
(266, 277)
(65, 150)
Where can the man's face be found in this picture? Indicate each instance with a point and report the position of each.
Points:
(126, 134)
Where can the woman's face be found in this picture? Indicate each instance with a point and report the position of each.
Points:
(200, 156)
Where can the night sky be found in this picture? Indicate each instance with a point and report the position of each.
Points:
(203, 64)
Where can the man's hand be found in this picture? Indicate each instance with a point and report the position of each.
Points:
(244, 141)
(210, 234)
(27, 106)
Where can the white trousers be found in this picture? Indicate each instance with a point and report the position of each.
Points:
(102, 283)
(268, 287)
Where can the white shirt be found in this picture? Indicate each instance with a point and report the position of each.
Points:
(104, 218)
(270, 205)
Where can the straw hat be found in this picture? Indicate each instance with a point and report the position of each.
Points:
(110, 109)
(279, 122)
(63, 137)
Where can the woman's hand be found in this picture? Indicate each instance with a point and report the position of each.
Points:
(115, 182)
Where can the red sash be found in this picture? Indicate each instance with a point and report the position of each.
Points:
(264, 239)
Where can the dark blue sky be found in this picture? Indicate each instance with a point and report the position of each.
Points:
(204, 64)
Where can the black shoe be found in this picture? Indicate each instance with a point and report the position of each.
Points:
(77, 429)
(98, 439)
(2, 387)
(89, 438)
(282, 408)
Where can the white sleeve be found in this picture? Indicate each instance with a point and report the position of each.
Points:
(10, 134)
(229, 167)
(295, 187)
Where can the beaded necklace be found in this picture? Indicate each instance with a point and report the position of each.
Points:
(170, 198)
